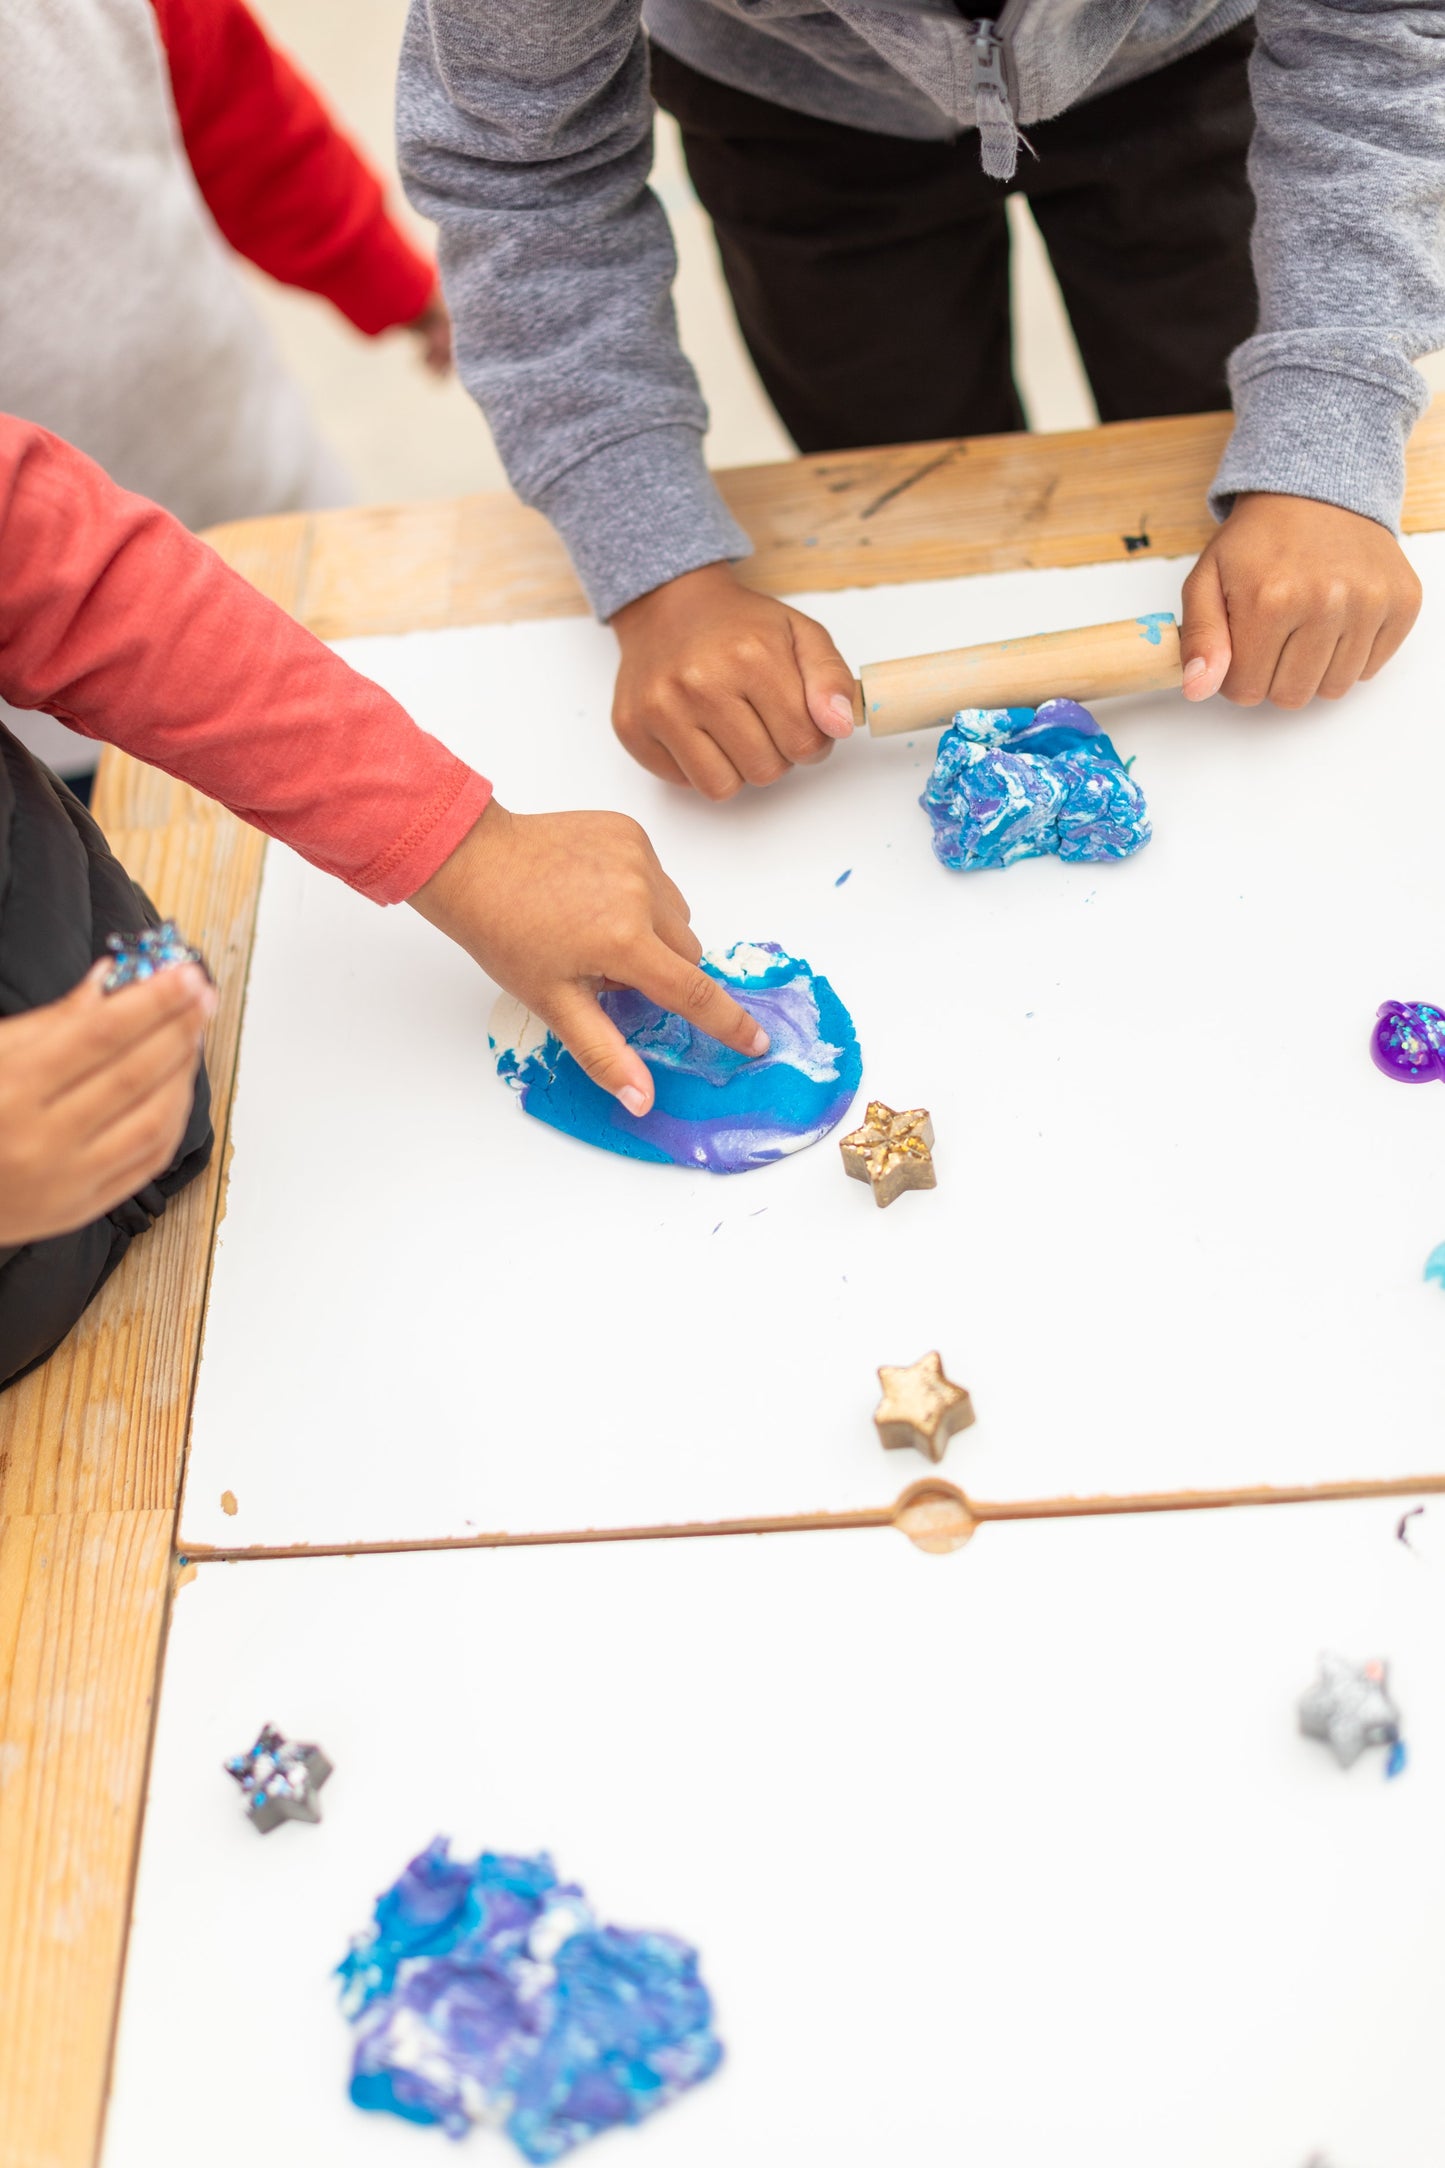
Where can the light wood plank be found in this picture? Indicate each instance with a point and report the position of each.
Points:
(849, 519)
(102, 1424)
(911, 512)
(82, 1607)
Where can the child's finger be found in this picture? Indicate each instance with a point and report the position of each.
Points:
(827, 680)
(1205, 643)
(679, 936)
(92, 1029)
(1388, 638)
(595, 1043)
(673, 984)
(138, 1147)
(134, 1079)
(1303, 661)
(706, 766)
(650, 753)
(1347, 664)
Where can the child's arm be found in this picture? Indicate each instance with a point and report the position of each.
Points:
(285, 186)
(116, 619)
(525, 131)
(1304, 588)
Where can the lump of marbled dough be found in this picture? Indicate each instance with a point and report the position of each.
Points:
(1012, 783)
(713, 1108)
(487, 1992)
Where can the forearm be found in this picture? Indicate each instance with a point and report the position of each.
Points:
(526, 134)
(1348, 170)
(118, 621)
(284, 183)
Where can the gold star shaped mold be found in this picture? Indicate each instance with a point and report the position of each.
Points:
(920, 1406)
(892, 1152)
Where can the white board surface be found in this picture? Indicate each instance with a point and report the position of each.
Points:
(1181, 1222)
(1012, 1857)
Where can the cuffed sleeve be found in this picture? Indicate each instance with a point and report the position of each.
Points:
(526, 135)
(1313, 426)
(681, 520)
(119, 622)
(1348, 171)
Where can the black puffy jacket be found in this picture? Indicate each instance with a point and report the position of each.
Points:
(61, 893)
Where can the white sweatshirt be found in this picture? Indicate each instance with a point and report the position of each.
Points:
(124, 324)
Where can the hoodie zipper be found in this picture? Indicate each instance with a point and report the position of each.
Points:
(998, 130)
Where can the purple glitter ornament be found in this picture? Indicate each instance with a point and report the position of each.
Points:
(1409, 1041)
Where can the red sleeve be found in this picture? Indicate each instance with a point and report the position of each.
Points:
(285, 186)
(116, 619)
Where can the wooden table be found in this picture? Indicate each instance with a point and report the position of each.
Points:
(92, 1445)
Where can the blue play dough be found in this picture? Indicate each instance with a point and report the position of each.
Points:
(1013, 783)
(487, 1991)
(713, 1109)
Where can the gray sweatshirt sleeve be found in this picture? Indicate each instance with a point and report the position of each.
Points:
(525, 131)
(1348, 169)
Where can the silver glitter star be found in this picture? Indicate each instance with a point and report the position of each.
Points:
(1349, 1707)
(280, 1778)
(137, 956)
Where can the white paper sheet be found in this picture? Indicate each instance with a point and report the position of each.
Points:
(1181, 1223)
(1012, 1857)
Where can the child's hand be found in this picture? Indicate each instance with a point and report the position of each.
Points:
(554, 906)
(1294, 598)
(432, 331)
(95, 1093)
(718, 687)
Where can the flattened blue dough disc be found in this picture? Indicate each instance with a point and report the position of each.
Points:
(714, 1108)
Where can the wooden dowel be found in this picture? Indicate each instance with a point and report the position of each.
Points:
(1093, 662)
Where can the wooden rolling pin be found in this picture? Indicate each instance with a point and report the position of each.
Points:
(923, 692)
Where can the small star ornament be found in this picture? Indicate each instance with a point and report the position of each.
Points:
(892, 1151)
(920, 1407)
(1349, 1707)
(137, 956)
(280, 1778)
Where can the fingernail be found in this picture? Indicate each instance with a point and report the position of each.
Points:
(761, 1041)
(632, 1099)
(840, 708)
(1194, 668)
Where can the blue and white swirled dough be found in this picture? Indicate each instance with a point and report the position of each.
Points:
(1013, 783)
(713, 1109)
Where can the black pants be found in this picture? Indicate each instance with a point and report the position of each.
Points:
(61, 894)
(870, 273)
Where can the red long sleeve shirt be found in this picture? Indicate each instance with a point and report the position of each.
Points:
(116, 619)
(287, 189)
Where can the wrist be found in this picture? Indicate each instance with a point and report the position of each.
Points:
(688, 591)
(459, 896)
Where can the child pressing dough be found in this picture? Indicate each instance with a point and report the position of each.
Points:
(854, 156)
(116, 619)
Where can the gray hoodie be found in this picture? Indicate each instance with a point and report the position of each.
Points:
(525, 131)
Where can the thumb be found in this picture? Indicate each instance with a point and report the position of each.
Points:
(1205, 647)
(598, 1047)
(827, 680)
